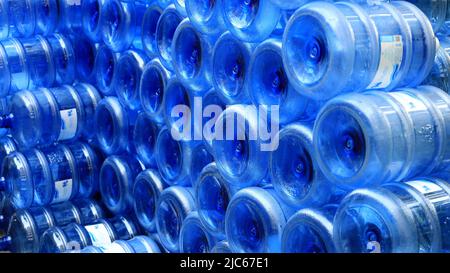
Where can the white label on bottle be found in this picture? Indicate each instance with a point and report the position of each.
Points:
(69, 123)
(99, 234)
(425, 187)
(63, 190)
(391, 57)
(113, 248)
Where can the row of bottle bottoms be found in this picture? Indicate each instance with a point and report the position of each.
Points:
(291, 68)
(372, 220)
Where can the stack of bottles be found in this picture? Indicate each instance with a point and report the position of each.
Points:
(194, 126)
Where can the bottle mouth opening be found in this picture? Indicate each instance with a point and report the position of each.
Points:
(167, 26)
(230, 68)
(85, 58)
(113, 20)
(306, 50)
(152, 89)
(91, 16)
(105, 68)
(304, 239)
(175, 96)
(269, 80)
(149, 28)
(294, 175)
(170, 155)
(241, 13)
(111, 182)
(188, 53)
(213, 199)
(145, 202)
(246, 229)
(342, 142)
(194, 238)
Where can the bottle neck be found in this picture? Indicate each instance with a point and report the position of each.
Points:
(6, 121)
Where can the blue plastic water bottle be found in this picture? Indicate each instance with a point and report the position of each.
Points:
(127, 77)
(92, 21)
(26, 226)
(309, 231)
(149, 24)
(177, 98)
(147, 189)
(440, 73)
(7, 146)
(241, 153)
(366, 139)
(114, 125)
(104, 67)
(180, 162)
(230, 62)
(33, 17)
(438, 12)
(145, 133)
(250, 21)
(139, 244)
(269, 85)
(206, 16)
(213, 195)
(153, 86)
(191, 57)
(64, 58)
(382, 220)
(254, 221)
(213, 106)
(221, 247)
(290, 5)
(167, 24)
(194, 238)
(117, 176)
(56, 174)
(122, 24)
(45, 116)
(295, 173)
(85, 53)
(174, 204)
(76, 237)
(381, 47)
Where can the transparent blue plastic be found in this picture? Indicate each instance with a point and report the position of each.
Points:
(45, 116)
(7, 28)
(114, 125)
(64, 58)
(23, 15)
(92, 19)
(85, 53)
(104, 68)
(381, 46)
(194, 238)
(70, 16)
(122, 24)
(127, 77)
(254, 222)
(230, 62)
(174, 204)
(139, 244)
(117, 177)
(26, 226)
(147, 189)
(149, 24)
(241, 159)
(180, 162)
(153, 86)
(145, 133)
(269, 85)
(213, 195)
(440, 73)
(7, 146)
(176, 94)
(437, 12)
(57, 174)
(206, 16)
(221, 247)
(180, 5)
(212, 104)
(404, 217)
(75, 236)
(375, 137)
(290, 5)
(250, 21)
(295, 174)
(309, 231)
(191, 56)
(165, 30)
(47, 16)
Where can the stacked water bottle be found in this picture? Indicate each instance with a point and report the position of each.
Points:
(224, 126)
